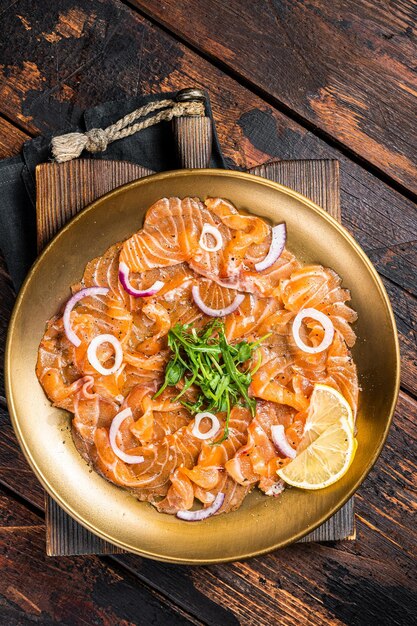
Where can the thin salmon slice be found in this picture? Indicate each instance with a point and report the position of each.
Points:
(151, 478)
(103, 271)
(320, 288)
(267, 283)
(170, 234)
(239, 233)
(258, 460)
(60, 363)
(208, 475)
(157, 418)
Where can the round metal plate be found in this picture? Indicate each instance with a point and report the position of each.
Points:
(261, 524)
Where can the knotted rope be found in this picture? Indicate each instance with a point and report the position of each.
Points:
(70, 146)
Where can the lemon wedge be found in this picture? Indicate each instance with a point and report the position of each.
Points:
(325, 460)
(327, 406)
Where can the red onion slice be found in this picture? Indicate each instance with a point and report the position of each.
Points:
(197, 516)
(210, 230)
(215, 425)
(114, 429)
(83, 293)
(279, 237)
(216, 312)
(323, 320)
(136, 293)
(92, 354)
(281, 442)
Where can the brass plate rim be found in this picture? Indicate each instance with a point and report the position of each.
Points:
(174, 174)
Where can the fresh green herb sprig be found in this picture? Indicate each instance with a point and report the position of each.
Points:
(206, 359)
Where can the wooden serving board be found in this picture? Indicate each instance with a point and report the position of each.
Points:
(62, 191)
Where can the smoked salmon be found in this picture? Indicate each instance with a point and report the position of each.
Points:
(140, 417)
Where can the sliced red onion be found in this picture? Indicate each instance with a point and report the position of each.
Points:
(323, 320)
(136, 293)
(281, 442)
(216, 312)
(114, 429)
(215, 425)
(211, 230)
(83, 293)
(92, 354)
(279, 237)
(197, 516)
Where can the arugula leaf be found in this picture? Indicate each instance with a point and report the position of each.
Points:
(206, 359)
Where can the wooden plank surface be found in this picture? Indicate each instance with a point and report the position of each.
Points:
(11, 139)
(62, 190)
(38, 589)
(347, 68)
(319, 180)
(58, 58)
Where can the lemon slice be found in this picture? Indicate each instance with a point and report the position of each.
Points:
(325, 460)
(327, 406)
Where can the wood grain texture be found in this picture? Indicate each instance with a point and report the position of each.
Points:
(70, 186)
(7, 298)
(345, 67)
(64, 536)
(11, 139)
(13, 464)
(194, 137)
(38, 589)
(62, 190)
(319, 180)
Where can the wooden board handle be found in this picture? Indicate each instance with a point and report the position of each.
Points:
(193, 135)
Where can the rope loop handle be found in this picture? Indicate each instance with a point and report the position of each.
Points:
(70, 146)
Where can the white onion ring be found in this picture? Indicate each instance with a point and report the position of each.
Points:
(215, 425)
(114, 429)
(281, 442)
(197, 516)
(216, 312)
(279, 237)
(211, 230)
(323, 320)
(136, 293)
(92, 354)
(83, 293)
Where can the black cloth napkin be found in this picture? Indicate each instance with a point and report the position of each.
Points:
(152, 147)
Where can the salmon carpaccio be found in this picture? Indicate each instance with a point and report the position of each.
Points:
(178, 468)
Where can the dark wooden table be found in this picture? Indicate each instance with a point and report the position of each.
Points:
(287, 79)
